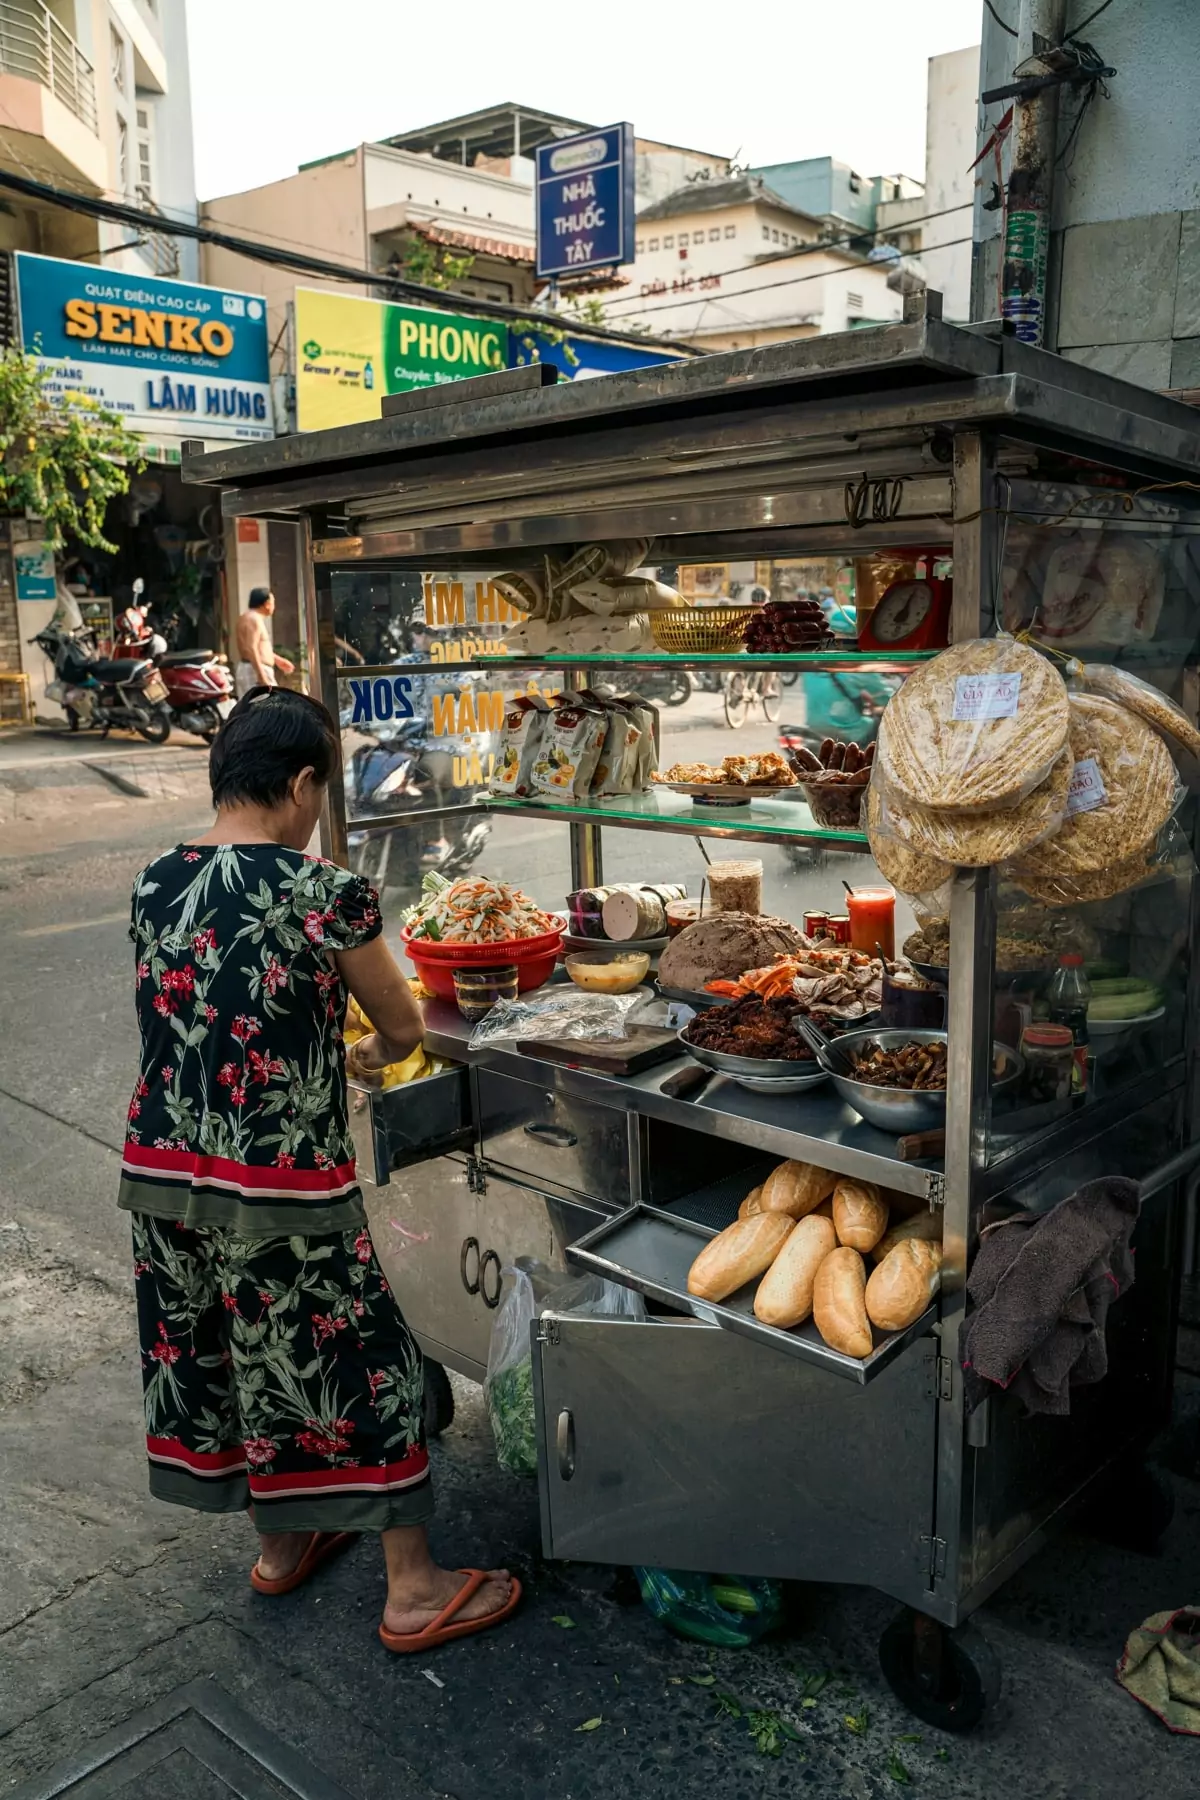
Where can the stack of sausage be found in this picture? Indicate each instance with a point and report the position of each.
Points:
(806, 1232)
(787, 625)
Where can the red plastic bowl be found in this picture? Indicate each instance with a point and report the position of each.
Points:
(435, 963)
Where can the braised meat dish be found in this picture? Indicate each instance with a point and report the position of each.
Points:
(751, 1027)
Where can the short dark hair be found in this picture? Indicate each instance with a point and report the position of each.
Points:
(271, 734)
(259, 596)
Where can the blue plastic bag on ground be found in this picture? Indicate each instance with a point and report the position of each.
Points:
(730, 1610)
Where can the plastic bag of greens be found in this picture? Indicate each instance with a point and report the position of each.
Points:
(730, 1610)
(530, 1289)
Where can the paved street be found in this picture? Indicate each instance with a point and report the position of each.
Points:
(109, 1602)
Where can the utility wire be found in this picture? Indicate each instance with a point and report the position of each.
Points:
(1002, 23)
(1076, 29)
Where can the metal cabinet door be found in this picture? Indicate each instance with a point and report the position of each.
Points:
(537, 1131)
(686, 1446)
(443, 1248)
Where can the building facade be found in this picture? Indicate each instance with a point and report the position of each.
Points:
(934, 225)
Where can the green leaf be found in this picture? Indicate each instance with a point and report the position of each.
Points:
(857, 1722)
(897, 1770)
(564, 1619)
(910, 1737)
(703, 1680)
(942, 1755)
(807, 1702)
(590, 1725)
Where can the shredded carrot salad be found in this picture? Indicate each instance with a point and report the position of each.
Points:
(474, 910)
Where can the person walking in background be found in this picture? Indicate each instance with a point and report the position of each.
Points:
(257, 659)
(279, 1374)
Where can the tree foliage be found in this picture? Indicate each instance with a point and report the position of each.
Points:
(63, 457)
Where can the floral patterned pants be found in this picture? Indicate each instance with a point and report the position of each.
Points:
(279, 1372)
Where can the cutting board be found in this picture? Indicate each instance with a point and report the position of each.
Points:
(645, 1046)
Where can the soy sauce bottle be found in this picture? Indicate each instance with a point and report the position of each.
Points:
(1069, 997)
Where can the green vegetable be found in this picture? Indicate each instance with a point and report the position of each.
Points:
(896, 1768)
(564, 1619)
(514, 1425)
(590, 1725)
(734, 1599)
(1116, 984)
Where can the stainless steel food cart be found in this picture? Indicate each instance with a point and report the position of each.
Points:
(692, 1439)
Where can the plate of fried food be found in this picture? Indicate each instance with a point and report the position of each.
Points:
(736, 781)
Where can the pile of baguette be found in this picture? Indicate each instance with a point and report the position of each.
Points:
(804, 1236)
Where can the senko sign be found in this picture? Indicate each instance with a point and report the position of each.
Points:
(166, 355)
(585, 216)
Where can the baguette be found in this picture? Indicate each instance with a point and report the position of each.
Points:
(796, 1188)
(925, 1227)
(903, 1284)
(785, 1293)
(751, 1203)
(824, 1211)
(860, 1214)
(738, 1254)
(839, 1306)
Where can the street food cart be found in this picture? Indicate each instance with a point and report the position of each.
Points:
(696, 1437)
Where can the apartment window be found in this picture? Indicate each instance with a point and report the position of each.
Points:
(855, 183)
(767, 232)
(683, 238)
(145, 152)
(122, 155)
(654, 243)
(116, 44)
(731, 231)
(668, 243)
(853, 302)
(641, 245)
(774, 237)
(714, 236)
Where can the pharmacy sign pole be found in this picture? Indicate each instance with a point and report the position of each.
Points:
(585, 216)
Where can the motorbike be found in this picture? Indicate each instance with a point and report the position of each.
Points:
(199, 685)
(667, 686)
(385, 776)
(98, 692)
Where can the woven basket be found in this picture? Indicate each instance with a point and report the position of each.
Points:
(700, 630)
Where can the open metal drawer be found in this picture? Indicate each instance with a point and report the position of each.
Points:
(677, 1445)
(412, 1123)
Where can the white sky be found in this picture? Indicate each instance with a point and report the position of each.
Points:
(280, 82)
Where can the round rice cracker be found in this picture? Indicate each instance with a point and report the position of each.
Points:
(929, 758)
(1140, 785)
(980, 840)
(905, 868)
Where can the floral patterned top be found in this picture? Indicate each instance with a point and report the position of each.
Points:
(239, 1117)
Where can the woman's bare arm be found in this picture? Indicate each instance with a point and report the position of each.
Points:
(374, 978)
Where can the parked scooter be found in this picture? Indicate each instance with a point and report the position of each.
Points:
(97, 692)
(384, 776)
(199, 685)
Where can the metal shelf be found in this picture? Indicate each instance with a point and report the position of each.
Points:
(763, 821)
(864, 662)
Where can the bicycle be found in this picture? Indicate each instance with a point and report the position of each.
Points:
(740, 691)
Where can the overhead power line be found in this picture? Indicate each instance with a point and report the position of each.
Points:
(280, 257)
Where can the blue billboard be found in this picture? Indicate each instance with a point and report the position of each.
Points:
(585, 204)
(164, 354)
(577, 359)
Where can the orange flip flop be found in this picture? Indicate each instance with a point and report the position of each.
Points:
(321, 1546)
(440, 1630)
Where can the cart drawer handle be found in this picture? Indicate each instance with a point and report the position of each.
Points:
(565, 1444)
(489, 1259)
(557, 1136)
(470, 1244)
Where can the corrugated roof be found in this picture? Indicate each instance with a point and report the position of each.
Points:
(709, 196)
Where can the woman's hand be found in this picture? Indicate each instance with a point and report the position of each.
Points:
(384, 996)
(366, 1060)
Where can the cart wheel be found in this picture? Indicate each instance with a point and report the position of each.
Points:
(947, 1678)
(1133, 1509)
(439, 1400)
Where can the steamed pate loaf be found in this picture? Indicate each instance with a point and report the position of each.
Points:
(785, 1293)
(796, 1188)
(839, 1303)
(738, 1254)
(722, 946)
(860, 1213)
(924, 1227)
(903, 1284)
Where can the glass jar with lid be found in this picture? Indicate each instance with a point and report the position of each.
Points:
(1049, 1053)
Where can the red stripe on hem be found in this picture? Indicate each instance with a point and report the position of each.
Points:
(141, 1159)
(200, 1462)
(405, 1473)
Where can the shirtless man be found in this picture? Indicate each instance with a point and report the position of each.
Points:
(257, 661)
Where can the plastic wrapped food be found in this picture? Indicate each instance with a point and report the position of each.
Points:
(906, 868)
(530, 1288)
(980, 840)
(559, 1012)
(732, 1611)
(977, 728)
(1123, 790)
(1140, 697)
(1103, 588)
(524, 724)
(1168, 856)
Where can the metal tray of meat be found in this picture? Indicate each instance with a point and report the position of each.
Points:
(727, 1064)
(652, 1248)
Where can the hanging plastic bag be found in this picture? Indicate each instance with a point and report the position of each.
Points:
(730, 1610)
(1165, 715)
(531, 1287)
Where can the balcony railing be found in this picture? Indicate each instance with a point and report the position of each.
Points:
(34, 45)
(163, 251)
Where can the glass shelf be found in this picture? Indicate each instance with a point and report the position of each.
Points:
(765, 821)
(863, 661)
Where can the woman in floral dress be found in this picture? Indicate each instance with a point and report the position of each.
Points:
(279, 1374)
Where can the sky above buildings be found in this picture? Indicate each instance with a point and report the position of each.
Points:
(280, 82)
